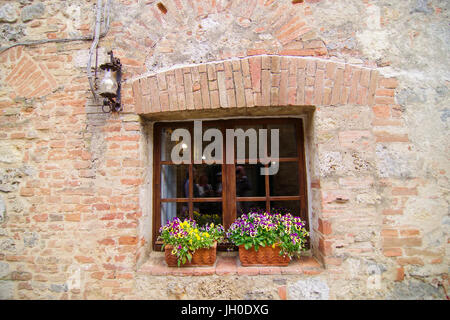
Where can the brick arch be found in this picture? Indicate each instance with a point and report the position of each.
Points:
(266, 80)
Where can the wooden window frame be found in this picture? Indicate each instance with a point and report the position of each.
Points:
(228, 197)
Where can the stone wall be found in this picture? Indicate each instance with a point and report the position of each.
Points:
(75, 183)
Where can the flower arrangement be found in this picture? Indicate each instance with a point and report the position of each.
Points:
(186, 237)
(260, 228)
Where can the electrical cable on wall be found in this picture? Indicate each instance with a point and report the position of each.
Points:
(98, 34)
(85, 38)
(94, 47)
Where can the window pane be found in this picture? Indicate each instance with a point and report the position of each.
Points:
(284, 207)
(170, 210)
(174, 181)
(167, 144)
(212, 144)
(285, 182)
(249, 181)
(288, 139)
(251, 130)
(247, 206)
(208, 212)
(207, 181)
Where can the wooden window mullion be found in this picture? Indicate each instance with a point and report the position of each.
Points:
(191, 191)
(230, 177)
(157, 183)
(267, 183)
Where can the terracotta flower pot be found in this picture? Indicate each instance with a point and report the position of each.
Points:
(201, 257)
(265, 256)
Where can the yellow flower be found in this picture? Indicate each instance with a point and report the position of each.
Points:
(273, 246)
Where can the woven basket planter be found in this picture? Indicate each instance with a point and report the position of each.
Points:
(265, 256)
(201, 257)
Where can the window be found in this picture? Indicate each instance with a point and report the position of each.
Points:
(221, 191)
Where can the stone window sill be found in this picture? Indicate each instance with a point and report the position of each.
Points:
(228, 264)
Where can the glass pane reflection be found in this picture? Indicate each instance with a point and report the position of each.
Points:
(174, 181)
(170, 210)
(288, 141)
(208, 212)
(167, 144)
(247, 206)
(249, 181)
(207, 181)
(285, 181)
(284, 207)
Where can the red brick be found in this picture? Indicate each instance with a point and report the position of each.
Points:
(389, 242)
(372, 86)
(40, 217)
(385, 93)
(392, 252)
(21, 276)
(325, 247)
(388, 137)
(226, 265)
(410, 261)
(101, 206)
(74, 217)
(131, 182)
(107, 241)
(297, 52)
(239, 86)
(400, 274)
(318, 87)
(27, 192)
(332, 261)
(409, 232)
(204, 271)
(97, 275)
(381, 111)
(255, 52)
(269, 270)
(391, 212)
(282, 292)
(403, 191)
(128, 240)
(309, 263)
(84, 259)
(324, 226)
(255, 73)
(390, 83)
(354, 86)
(336, 92)
(265, 87)
(389, 233)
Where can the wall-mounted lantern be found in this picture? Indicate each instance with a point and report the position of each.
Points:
(110, 85)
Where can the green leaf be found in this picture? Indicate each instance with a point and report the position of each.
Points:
(189, 256)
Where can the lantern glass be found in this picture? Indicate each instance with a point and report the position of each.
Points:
(108, 85)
